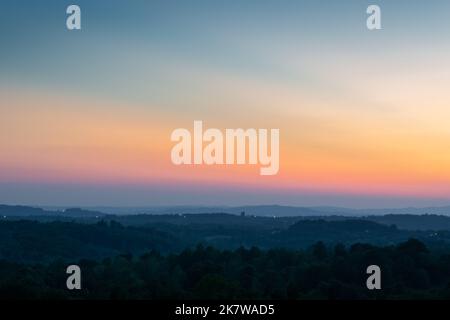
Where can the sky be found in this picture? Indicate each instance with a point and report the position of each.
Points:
(86, 116)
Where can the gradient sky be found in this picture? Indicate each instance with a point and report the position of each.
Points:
(86, 116)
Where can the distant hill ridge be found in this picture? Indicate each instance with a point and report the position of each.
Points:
(416, 219)
(267, 210)
(28, 211)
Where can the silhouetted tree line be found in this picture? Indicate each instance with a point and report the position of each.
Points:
(409, 271)
(28, 241)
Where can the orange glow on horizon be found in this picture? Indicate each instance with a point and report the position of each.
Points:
(53, 139)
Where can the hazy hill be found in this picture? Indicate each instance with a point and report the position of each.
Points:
(414, 222)
(27, 211)
(9, 211)
(31, 241)
(270, 210)
(263, 217)
(347, 231)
